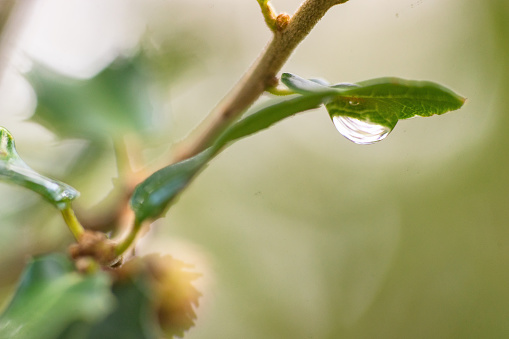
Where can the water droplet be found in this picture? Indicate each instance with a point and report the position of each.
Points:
(360, 132)
(354, 102)
(65, 195)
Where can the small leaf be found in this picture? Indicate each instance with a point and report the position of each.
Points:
(267, 116)
(113, 102)
(153, 196)
(51, 296)
(384, 101)
(14, 170)
(304, 86)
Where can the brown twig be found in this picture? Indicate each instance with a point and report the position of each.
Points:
(287, 37)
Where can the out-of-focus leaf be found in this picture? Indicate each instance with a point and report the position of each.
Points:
(155, 299)
(50, 296)
(131, 318)
(113, 102)
(172, 55)
(14, 170)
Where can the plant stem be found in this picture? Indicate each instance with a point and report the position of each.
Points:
(260, 75)
(72, 222)
(268, 13)
(279, 91)
(122, 156)
(128, 241)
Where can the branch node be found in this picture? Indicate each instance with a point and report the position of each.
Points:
(282, 22)
(272, 82)
(94, 245)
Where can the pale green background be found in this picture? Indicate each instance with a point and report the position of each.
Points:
(298, 232)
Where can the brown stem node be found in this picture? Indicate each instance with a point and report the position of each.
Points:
(94, 245)
(282, 22)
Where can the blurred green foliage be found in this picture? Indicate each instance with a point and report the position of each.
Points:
(310, 237)
(50, 296)
(112, 103)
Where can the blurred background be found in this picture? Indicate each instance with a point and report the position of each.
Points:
(298, 232)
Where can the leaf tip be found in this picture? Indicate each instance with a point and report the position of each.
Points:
(6, 143)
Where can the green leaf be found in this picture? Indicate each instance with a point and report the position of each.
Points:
(131, 317)
(14, 170)
(110, 104)
(50, 296)
(384, 101)
(304, 86)
(153, 196)
(260, 119)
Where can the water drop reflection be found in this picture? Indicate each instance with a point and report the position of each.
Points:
(360, 132)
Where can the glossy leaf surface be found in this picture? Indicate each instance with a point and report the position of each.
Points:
(260, 119)
(384, 101)
(153, 196)
(14, 170)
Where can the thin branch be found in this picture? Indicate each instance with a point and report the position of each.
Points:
(128, 241)
(72, 222)
(268, 14)
(122, 156)
(279, 91)
(260, 76)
